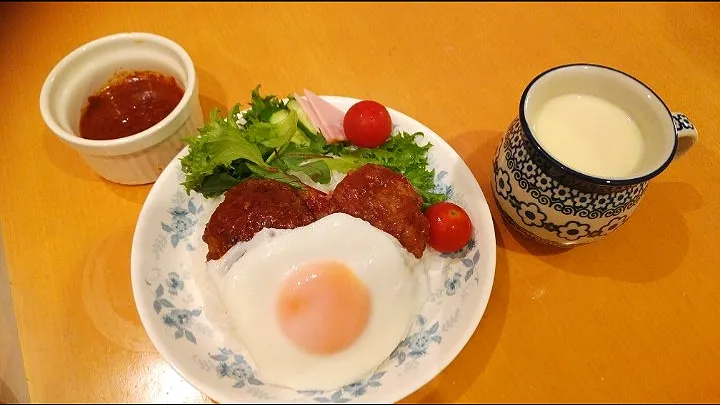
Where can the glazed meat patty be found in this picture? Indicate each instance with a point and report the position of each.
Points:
(319, 203)
(388, 201)
(374, 193)
(255, 204)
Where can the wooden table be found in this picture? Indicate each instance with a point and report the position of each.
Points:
(635, 317)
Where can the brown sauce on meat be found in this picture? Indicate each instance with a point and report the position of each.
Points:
(319, 203)
(251, 206)
(388, 201)
(130, 103)
(374, 193)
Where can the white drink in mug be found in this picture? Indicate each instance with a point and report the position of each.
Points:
(590, 135)
(575, 163)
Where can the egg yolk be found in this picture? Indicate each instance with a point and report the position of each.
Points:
(323, 307)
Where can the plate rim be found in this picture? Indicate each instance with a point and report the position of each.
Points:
(445, 359)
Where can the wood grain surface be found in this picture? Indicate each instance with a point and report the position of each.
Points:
(634, 318)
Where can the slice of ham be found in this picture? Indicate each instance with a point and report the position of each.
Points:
(324, 115)
(312, 115)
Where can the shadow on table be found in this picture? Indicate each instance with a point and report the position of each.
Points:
(212, 94)
(6, 394)
(656, 220)
(13, 384)
(65, 158)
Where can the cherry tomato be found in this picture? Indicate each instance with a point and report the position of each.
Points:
(367, 124)
(450, 227)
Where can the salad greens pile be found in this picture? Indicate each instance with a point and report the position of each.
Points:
(274, 139)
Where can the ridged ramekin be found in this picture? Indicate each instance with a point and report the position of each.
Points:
(139, 158)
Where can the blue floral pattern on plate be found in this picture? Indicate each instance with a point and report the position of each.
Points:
(416, 345)
(188, 328)
(234, 367)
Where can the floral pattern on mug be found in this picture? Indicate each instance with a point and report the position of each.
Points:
(602, 201)
(573, 230)
(531, 214)
(682, 122)
(581, 200)
(503, 183)
(613, 224)
(561, 193)
(555, 203)
(543, 182)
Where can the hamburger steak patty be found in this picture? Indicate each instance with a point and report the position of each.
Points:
(255, 204)
(388, 201)
(374, 193)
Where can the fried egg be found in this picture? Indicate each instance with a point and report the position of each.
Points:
(323, 305)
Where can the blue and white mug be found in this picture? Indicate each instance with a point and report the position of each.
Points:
(574, 164)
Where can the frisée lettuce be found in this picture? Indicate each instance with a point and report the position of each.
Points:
(274, 139)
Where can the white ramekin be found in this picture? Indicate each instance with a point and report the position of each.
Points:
(139, 158)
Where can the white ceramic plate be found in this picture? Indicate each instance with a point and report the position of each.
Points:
(186, 322)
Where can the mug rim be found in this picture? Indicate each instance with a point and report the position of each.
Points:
(104, 146)
(573, 172)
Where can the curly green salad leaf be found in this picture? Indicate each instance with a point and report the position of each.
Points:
(400, 153)
(274, 139)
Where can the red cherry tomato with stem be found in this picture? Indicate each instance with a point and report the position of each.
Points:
(450, 227)
(367, 124)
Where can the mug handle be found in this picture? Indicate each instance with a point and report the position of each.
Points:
(686, 133)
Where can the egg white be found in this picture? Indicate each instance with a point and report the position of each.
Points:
(249, 276)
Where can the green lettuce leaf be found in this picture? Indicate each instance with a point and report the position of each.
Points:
(218, 145)
(262, 108)
(224, 153)
(273, 136)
